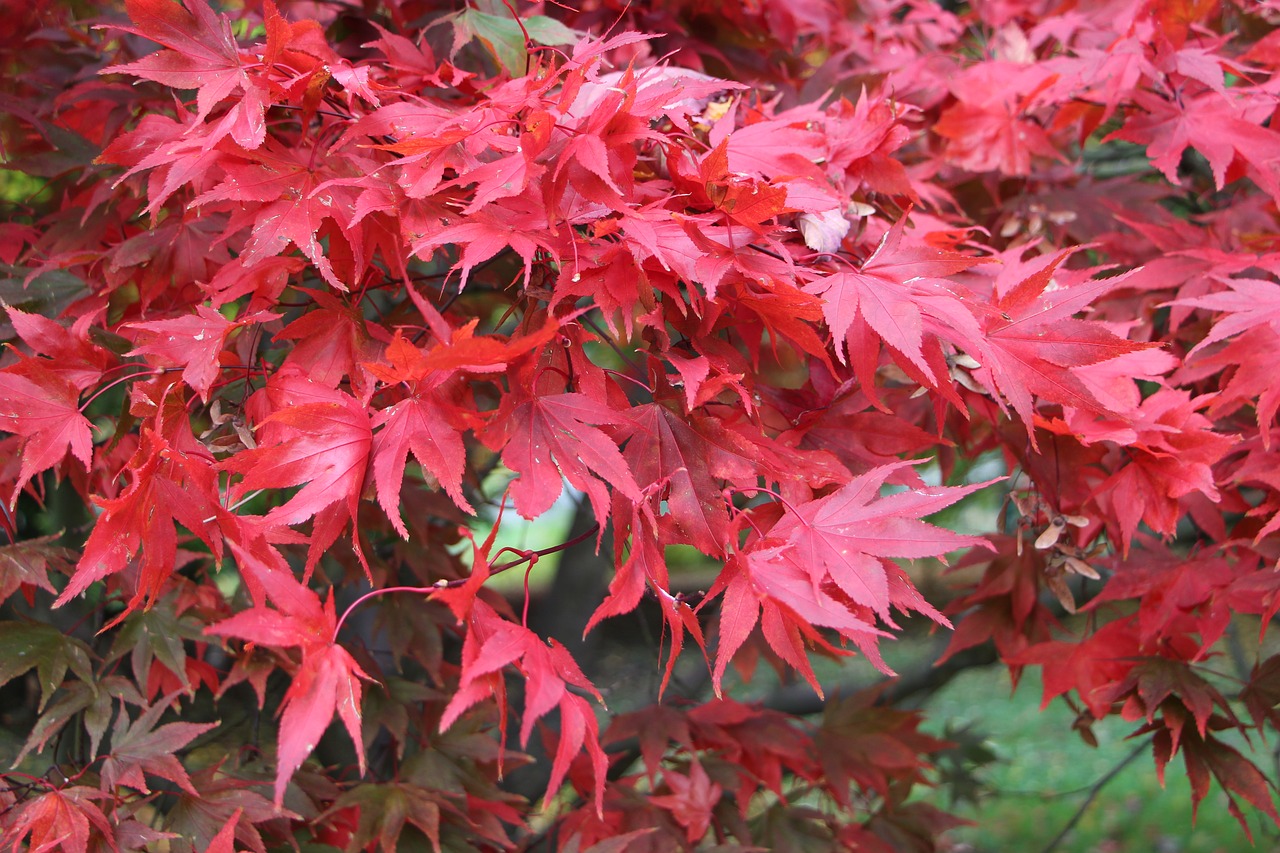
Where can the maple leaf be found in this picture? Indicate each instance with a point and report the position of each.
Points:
(845, 537)
(427, 422)
(990, 127)
(505, 38)
(168, 485)
(493, 643)
(69, 352)
(25, 565)
(775, 589)
(742, 199)
(193, 342)
(326, 682)
(1237, 775)
(330, 342)
(900, 293)
(1157, 679)
(863, 741)
(285, 199)
(691, 801)
(759, 741)
(739, 613)
(1174, 451)
(89, 702)
(28, 645)
(418, 424)
(462, 349)
(200, 54)
(485, 234)
(224, 841)
(319, 439)
(1033, 342)
(1251, 382)
(138, 748)
(1088, 667)
(1223, 129)
(1250, 303)
(558, 433)
(824, 563)
(385, 809)
(61, 819)
(43, 408)
(223, 800)
(664, 452)
(646, 565)
(1261, 695)
(1171, 589)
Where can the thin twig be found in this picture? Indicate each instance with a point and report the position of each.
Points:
(1093, 795)
(524, 557)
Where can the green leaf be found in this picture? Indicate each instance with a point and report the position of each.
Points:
(546, 30)
(95, 700)
(76, 698)
(159, 633)
(502, 36)
(27, 645)
(47, 294)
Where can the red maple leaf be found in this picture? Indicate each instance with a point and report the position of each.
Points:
(25, 565)
(420, 424)
(427, 421)
(846, 536)
(1172, 451)
(201, 54)
(990, 127)
(901, 294)
(666, 455)
(331, 341)
(1087, 667)
(493, 643)
(1034, 342)
(1250, 302)
(44, 408)
(1226, 130)
(646, 567)
(62, 819)
(224, 841)
(193, 342)
(167, 486)
(825, 564)
(326, 682)
(224, 800)
(69, 352)
(691, 801)
(558, 433)
(283, 199)
(1209, 756)
(319, 439)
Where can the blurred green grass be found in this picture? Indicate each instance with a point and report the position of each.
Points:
(1045, 771)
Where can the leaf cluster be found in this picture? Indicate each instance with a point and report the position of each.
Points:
(306, 293)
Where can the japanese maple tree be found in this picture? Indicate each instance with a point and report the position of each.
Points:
(304, 301)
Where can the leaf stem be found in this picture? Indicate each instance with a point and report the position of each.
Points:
(617, 374)
(771, 492)
(528, 42)
(150, 371)
(525, 557)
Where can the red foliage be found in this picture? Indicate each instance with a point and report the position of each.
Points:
(300, 278)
